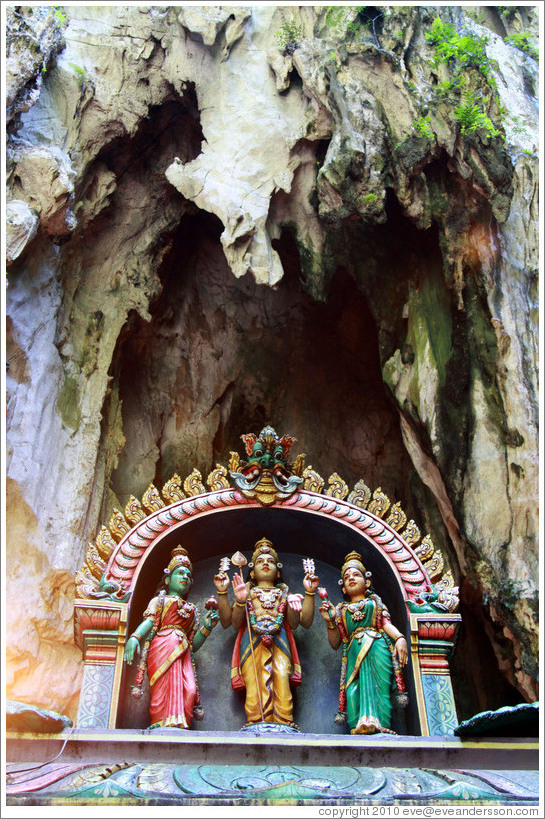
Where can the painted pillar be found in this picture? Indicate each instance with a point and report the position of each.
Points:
(100, 629)
(432, 641)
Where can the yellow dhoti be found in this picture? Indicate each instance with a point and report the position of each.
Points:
(272, 686)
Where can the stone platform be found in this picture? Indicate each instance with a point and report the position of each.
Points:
(155, 767)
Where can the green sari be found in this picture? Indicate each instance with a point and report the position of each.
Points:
(369, 666)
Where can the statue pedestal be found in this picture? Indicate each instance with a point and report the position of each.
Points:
(270, 728)
(152, 767)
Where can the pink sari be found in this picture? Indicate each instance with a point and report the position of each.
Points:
(170, 670)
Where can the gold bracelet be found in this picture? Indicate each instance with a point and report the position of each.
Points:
(240, 605)
(221, 592)
(401, 637)
(205, 631)
(136, 637)
(331, 626)
(310, 594)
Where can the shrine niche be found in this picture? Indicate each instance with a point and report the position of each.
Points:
(304, 518)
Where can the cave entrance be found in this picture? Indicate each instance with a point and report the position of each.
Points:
(221, 356)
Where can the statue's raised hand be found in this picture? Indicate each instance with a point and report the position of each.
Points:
(310, 582)
(240, 589)
(221, 581)
(295, 601)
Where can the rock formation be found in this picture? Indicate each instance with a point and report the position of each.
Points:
(321, 218)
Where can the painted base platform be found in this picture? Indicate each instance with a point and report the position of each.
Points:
(150, 768)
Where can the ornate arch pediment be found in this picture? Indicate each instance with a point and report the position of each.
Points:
(112, 562)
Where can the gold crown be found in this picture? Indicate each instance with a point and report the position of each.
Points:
(353, 561)
(264, 546)
(179, 557)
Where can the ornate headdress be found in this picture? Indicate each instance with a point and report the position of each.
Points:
(264, 546)
(179, 557)
(353, 560)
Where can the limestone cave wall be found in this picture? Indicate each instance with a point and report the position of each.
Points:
(210, 228)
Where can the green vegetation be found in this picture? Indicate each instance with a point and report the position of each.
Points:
(336, 14)
(522, 41)
(80, 73)
(459, 50)
(369, 199)
(289, 36)
(472, 118)
(507, 12)
(59, 15)
(462, 53)
(422, 127)
(56, 14)
(449, 86)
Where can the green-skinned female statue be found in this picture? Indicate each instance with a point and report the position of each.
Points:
(165, 641)
(374, 652)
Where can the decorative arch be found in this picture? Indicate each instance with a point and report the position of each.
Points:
(112, 561)
(132, 549)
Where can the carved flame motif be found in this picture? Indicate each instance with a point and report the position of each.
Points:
(360, 495)
(336, 487)
(411, 533)
(397, 517)
(85, 583)
(448, 592)
(267, 475)
(118, 525)
(172, 490)
(312, 481)
(151, 500)
(234, 462)
(95, 563)
(193, 484)
(425, 550)
(380, 503)
(434, 566)
(218, 479)
(133, 510)
(105, 543)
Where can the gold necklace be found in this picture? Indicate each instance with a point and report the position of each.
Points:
(356, 610)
